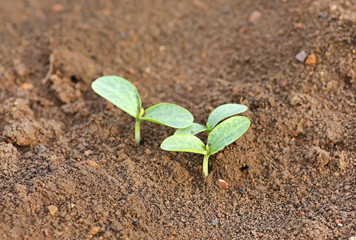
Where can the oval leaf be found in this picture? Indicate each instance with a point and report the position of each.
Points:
(169, 114)
(193, 129)
(120, 92)
(227, 132)
(183, 143)
(224, 111)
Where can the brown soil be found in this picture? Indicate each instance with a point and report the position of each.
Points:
(68, 165)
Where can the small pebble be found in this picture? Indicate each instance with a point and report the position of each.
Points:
(121, 146)
(122, 36)
(147, 151)
(322, 15)
(301, 56)
(299, 25)
(52, 209)
(46, 233)
(41, 149)
(148, 70)
(94, 230)
(214, 222)
(255, 17)
(93, 164)
(87, 152)
(21, 69)
(242, 191)
(57, 7)
(222, 184)
(339, 223)
(225, 11)
(311, 60)
(333, 7)
(27, 86)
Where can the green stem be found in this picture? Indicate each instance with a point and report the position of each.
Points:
(206, 165)
(137, 132)
(137, 127)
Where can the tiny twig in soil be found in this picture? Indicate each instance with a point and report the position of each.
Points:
(50, 70)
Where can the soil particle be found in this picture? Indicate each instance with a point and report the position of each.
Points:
(23, 133)
(57, 7)
(242, 191)
(27, 86)
(214, 222)
(93, 164)
(8, 153)
(147, 151)
(46, 233)
(94, 230)
(311, 59)
(14, 109)
(222, 184)
(319, 156)
(255, 16)
(26, 132)
(52, 209)
(65, 90)
(21, 68)
(301, 56)
(75, 66)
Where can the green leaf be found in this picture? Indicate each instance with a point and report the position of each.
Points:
(169, 114)
(120, 92)
(224, 111)
(193, 129)
(227, 132)
(184, 143)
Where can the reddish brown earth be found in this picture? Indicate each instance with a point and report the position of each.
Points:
(62, 147)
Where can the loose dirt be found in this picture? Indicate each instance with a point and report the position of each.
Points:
(69, 167)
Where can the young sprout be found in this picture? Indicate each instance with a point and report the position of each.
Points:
(219, 137)
(220, 113)
(124, 95)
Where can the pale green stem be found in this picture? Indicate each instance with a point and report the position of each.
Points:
(206, 165)
(137, 127)
(137, 132)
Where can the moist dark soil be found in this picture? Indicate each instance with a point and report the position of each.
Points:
(69, 167)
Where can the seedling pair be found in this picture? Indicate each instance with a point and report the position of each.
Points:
(124, 95)
(222, 132)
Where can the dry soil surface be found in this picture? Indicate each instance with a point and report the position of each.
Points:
(69, 167)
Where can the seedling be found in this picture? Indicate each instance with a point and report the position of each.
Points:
(219, 137)
(220, 113)
(124, 95)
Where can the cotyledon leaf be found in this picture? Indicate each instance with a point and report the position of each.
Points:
(168, 114)
(120, 92)
(224, 111)
(184, 143)
(227, 132)
(193, 129)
